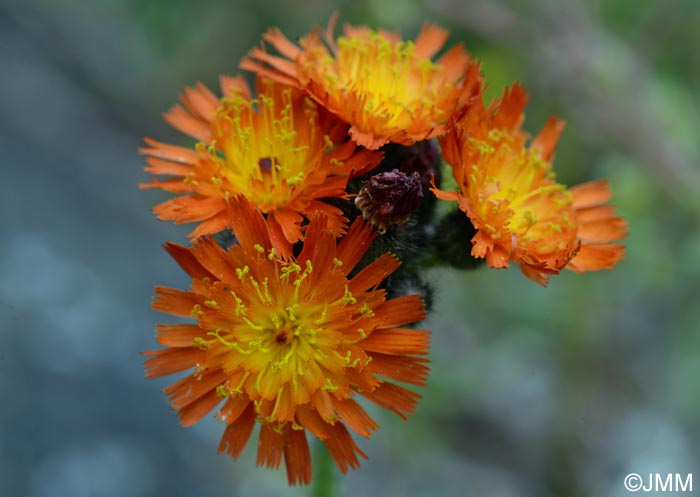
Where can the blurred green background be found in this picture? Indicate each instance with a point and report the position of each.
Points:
(556, 392)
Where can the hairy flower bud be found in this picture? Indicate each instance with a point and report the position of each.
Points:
(423, 158)
(389, 198)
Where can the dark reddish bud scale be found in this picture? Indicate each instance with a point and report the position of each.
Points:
(424, 158)
(389, 198)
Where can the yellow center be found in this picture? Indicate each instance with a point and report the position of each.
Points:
(268, 146)
(284, 333)
(396, 84)
(523, 184)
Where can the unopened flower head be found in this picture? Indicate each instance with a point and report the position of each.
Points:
(520, 212)
(389, 198)
(289, 343)
(388, 89)
(280, 150)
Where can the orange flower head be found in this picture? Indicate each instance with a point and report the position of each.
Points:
(387, 89)
(509, 192)
(281, 151)
(289, 343)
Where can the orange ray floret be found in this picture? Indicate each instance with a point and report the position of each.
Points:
(389, 90)
(289, 342)
(281, 151)
(508, 190)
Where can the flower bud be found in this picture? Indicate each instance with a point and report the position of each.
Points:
(389, 198)
(453, 241)
(423, 158)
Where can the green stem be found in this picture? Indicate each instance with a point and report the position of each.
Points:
(325, 472)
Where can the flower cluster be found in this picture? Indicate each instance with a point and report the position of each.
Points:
(313, 198)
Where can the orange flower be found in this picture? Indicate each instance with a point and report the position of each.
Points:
(509, 192)
(281, 151)
(289, 342)
(386, 88)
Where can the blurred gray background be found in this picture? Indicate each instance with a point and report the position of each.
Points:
(534, 392)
